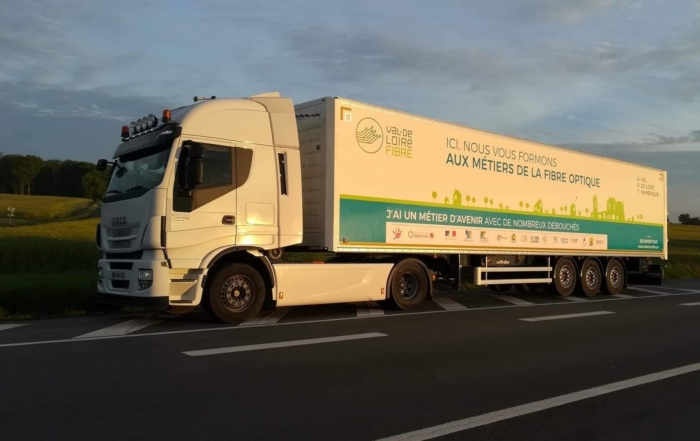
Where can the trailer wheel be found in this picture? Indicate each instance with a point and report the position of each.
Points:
(236, 293)
(591, 278)
(565, 277)
(614, 277)
(409, 285)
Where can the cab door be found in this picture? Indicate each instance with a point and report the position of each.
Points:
(205, 218)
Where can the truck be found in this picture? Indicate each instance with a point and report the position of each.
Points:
(211, 204)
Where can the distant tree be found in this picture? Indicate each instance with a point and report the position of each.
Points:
(435, 195)
(527, 206)
(486, 201)
(684, 218)
(95, 184)
(468, 199)
(521, 204)
(491, 202)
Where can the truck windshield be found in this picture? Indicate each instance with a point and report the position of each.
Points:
(135, 173)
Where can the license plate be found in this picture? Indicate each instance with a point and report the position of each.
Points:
(118, 275)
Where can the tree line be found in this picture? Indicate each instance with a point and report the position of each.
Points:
(685, 219)
(32, 175)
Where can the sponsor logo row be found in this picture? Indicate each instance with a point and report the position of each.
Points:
(410, 234)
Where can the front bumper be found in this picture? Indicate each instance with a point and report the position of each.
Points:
(120, 282)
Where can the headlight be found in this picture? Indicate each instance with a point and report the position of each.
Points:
(145, 274)
(100, 273)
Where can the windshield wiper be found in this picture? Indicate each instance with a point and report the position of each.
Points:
(115, 192)
(136, 187)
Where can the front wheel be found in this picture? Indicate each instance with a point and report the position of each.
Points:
(409, 285)
(236, 293)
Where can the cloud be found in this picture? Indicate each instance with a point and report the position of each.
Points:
(563, 12)
(55, 123)
(653, 143)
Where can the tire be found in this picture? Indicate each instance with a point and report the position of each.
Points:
(614, 277)
(275, 256)
(236, 293)
(591, 278)
(565, 277)
(409, 285)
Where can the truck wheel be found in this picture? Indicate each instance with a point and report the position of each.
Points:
(409, 285)
(275, 256)
(565, 277)
(614, 277)
(236, 293)
(591, 278)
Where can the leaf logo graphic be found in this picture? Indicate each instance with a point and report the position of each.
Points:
(369, 135)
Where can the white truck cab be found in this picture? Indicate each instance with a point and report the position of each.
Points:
(203, 201)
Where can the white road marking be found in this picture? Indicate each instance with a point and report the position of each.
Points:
(513, 300)
(565, 316)
(283, 344)
(120, 329)
(309, 322)
(369, 309)
(690, 304)
(623, 296)
(448, 304)
(575, 299)
(525, 409)
(651, 291)
(268, 318)
(12, 326)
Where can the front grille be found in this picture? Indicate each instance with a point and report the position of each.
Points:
(121, 244)
(134, 255)
(121, 265)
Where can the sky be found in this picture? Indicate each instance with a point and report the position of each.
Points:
(620, 78)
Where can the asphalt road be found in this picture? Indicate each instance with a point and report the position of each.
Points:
(468, 366)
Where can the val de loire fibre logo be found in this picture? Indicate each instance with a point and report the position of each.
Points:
(369, 135)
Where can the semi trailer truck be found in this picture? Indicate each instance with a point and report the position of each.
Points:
(204, 203)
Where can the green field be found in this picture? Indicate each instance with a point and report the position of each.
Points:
(32, 209)
(50, 268)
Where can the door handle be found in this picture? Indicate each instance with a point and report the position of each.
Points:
(229, 220)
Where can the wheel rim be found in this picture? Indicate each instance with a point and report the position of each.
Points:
(566, 277)
(408, 286)
(615, 277)
(237, 293)
(591, 278)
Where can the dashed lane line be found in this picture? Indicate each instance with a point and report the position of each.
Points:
(120, 329)
(565, 316)
(12, 326)
(651, 291)
(512, 300)
(574, 299)
(369, 309)
(268, 318)
(283, 344)
(448, 304)
(690, 304)
(623, 296)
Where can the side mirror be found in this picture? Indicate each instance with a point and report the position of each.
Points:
(102, 165)
(194, 170)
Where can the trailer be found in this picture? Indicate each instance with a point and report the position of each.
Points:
(204, 204)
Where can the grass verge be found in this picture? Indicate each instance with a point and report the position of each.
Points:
(35, 296)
